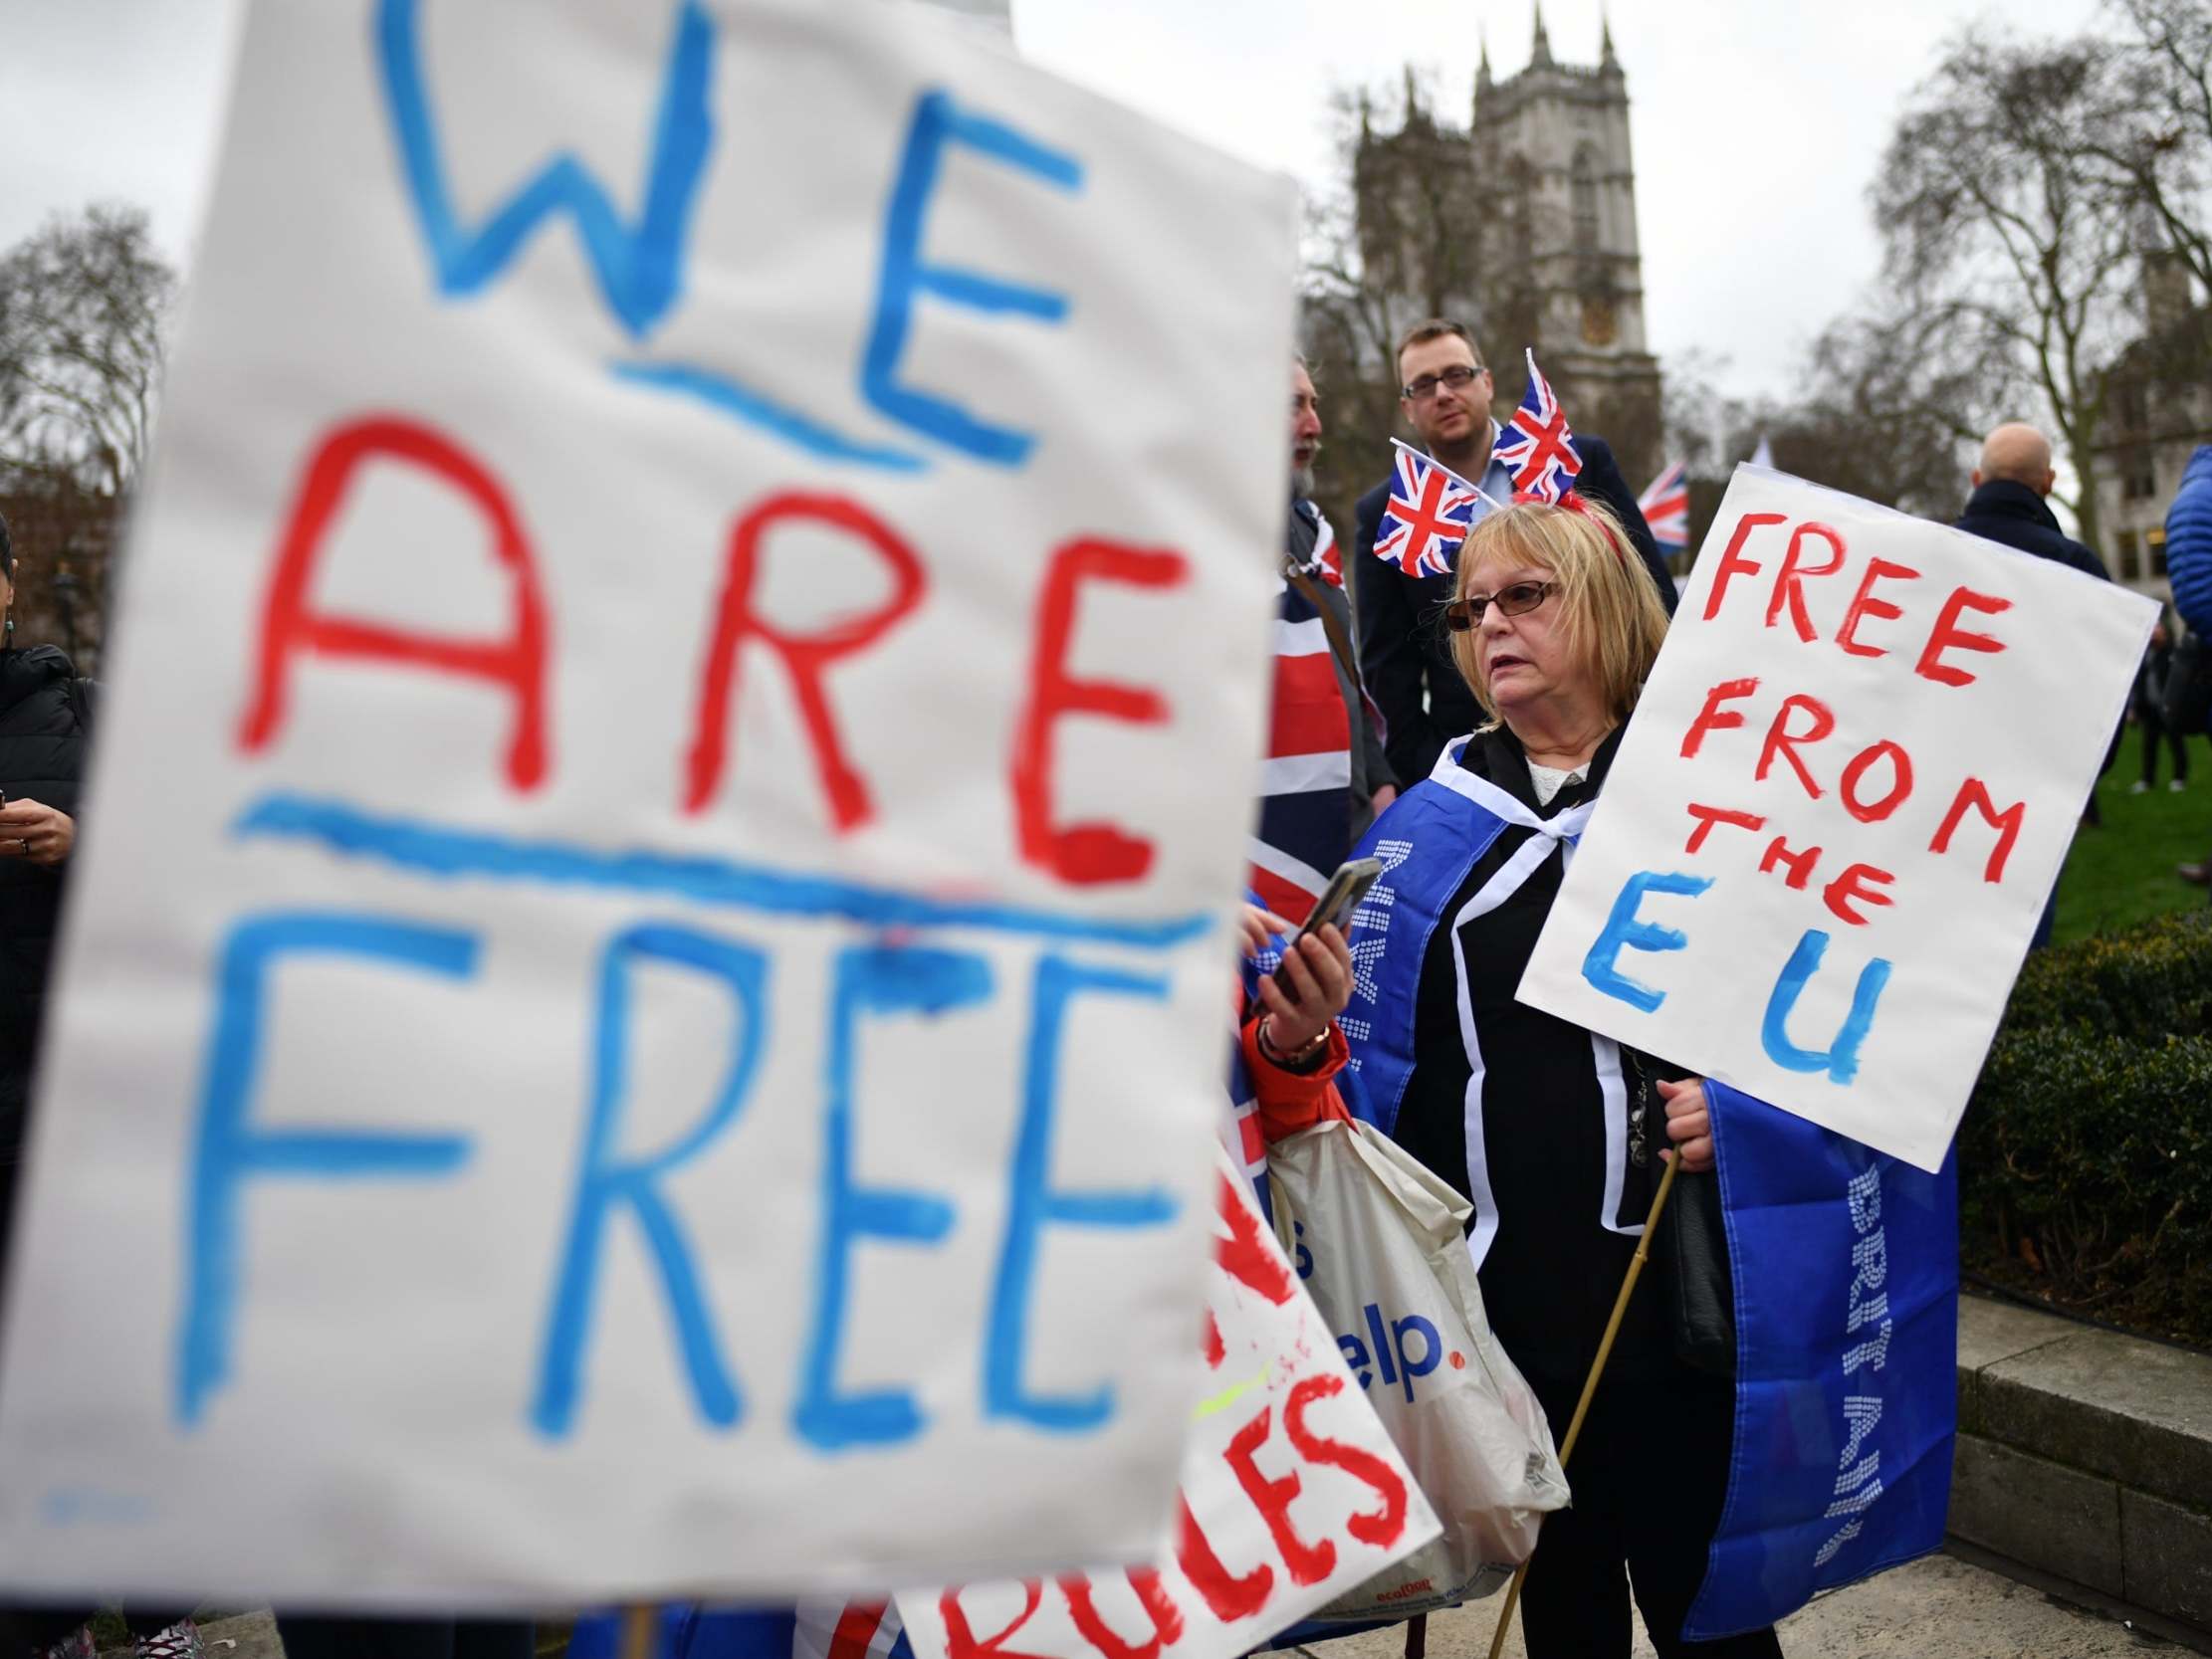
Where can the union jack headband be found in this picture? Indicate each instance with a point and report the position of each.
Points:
(1574, 502)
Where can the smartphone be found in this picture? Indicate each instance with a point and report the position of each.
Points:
(1342, 896)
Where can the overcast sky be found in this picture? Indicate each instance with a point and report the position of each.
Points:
(1756, 127)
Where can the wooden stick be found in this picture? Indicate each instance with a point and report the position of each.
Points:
(1596, 1370)
(640, 1630)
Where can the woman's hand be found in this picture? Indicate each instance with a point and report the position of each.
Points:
(1259, 927)
(1308, 991)
(1688, 1122)
(34, 831)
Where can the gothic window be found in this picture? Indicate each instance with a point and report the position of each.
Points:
(1586, 201)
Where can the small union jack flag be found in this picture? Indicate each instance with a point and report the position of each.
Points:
(1427, 517)
(1665, 507)
(1537, 445)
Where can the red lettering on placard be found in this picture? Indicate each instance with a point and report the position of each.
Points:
(1246, 1257)
(1789, 580)
(1785, 743)
(1166, 1616)
(1309, 1564)
(807, 656)
(1732, 561)
(1381, 1527)
(1900, 769)
(1840, 894)
(1800, 864)
(1975, 793)
(1864, 604)
(1083, 854)
(960, 1640)
(1712, 718)
(290, 624)
(1213, 1349)
(1707, 816)
(1946, 633)
(1229, 1596)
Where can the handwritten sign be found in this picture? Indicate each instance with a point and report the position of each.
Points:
(1840, 808)
(643, 1011)
(1292, 1494)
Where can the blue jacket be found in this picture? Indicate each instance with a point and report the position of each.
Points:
(2189, 543)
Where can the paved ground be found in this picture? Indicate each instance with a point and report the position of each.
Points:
(1938, 1609)
(1935, 1609)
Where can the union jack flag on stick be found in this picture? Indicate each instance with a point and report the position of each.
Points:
(1665, 507)
(1537, 445)
(1429, 514)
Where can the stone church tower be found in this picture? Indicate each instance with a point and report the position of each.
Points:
(1533, 239)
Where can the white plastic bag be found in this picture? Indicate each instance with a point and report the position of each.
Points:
(1379, 1241)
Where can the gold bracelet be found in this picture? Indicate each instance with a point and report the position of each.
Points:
(1304, 1056)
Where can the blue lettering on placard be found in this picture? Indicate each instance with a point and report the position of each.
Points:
(607, 1181)
(229, 1150)
(439, 850)
(1623, 930)
(938, 123)
(870, 981)
(640, 272)
(1840, 1059)
(1035, 1203)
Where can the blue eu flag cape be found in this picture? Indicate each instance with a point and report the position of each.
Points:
(1846, 1266)
(1844, 1260)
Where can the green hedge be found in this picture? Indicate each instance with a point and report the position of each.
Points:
(2085, 1157)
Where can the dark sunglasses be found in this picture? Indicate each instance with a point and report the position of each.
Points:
(1518, 600)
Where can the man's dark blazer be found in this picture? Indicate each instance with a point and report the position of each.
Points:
(1403, 649)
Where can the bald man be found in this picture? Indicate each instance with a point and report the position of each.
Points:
(2008, 506)
(2009, 501)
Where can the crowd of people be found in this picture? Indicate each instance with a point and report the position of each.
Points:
(1470, 716)
(1503, 685)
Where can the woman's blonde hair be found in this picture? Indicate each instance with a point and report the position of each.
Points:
(1609, 615)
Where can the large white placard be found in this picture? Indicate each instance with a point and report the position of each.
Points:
(1293, 1494)
(1840, 808)
(643, 1011)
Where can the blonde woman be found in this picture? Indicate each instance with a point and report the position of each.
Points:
(1553, 1134)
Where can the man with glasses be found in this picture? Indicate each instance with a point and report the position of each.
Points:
(1404, 656)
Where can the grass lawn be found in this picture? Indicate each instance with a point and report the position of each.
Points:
(2122, 873)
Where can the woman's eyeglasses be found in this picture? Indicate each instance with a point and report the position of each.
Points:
(1518, 600)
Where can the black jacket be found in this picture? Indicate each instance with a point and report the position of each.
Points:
(2014, 514)
(1404, 654)
(1550, 1122)
(43, 730)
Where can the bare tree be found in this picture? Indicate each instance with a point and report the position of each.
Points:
(2151, 144)
(2000, 232)
(82, 304)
